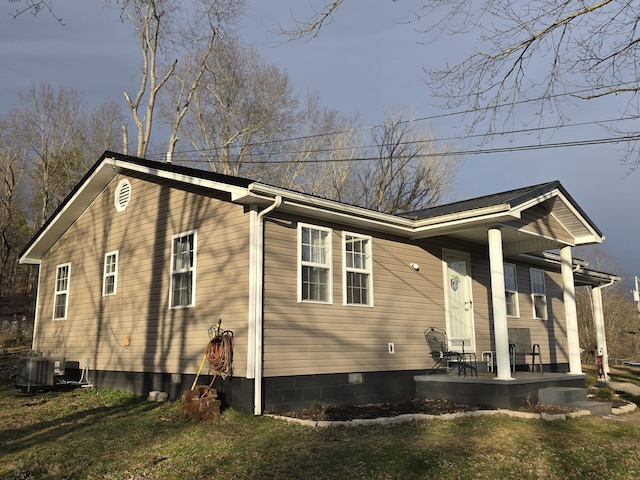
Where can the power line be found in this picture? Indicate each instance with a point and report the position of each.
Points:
(576, 93)
(484, 151)
(413, 142)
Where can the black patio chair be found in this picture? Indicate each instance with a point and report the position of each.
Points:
(444, 358)
(520, 346)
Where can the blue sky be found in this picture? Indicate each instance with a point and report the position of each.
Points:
(367, 60)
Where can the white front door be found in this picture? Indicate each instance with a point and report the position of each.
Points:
(458, 300)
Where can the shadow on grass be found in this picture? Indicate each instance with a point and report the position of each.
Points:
(34, 431)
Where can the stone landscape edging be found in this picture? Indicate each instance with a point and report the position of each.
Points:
(409, 417)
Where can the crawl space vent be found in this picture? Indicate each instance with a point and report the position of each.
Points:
(123, 195)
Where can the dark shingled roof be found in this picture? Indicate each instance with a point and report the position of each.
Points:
(511, 198)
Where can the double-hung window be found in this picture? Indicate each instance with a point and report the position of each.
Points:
(511, 290)
(183, 270)
(314, 283)
(110, 274)
(357, 269)
(538, 294)
(61, 297)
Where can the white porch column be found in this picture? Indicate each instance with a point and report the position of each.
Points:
(601, 339)
(569, 297)
(499, 304)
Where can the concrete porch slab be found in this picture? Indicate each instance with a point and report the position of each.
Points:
(486, 390)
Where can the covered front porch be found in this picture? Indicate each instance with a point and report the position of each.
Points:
(488, 391)
(535, 227)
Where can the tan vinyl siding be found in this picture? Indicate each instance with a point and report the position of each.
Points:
(307, 338)
(304, 338)
(538, 220)
(550, 334)
(162, 339)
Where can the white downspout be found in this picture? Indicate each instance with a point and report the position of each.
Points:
(36, 314)
(256, 301)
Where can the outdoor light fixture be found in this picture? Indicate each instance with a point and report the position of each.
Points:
(415, 266)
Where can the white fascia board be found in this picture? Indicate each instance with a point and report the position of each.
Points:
(122, 165)
(458, 221)
(326, 208)
(93, 186)
(65, 217)
(348, 218)
(339, 212)
(593, 236)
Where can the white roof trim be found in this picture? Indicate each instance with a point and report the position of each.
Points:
(295, 202)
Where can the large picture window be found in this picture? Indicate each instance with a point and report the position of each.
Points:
(315, 264)
(61, 297)
(183, 270)
(511, 290)
(357, 269)
(110, 274)
(538, 294)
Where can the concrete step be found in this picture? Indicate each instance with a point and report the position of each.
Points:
(596, 408)
(562, 395)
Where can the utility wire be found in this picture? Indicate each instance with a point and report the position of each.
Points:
(577, 93)
(483, 151)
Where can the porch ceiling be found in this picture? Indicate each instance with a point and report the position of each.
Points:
(514, 240)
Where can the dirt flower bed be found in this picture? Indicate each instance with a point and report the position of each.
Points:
(378, 410)
(413, 406)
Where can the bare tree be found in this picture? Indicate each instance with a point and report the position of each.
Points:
(396, 167)
(316, 159)
(52, 126)
(170, 31)
(241, 109)
(620, 314)
(35, 7)
(104, 127)
(12, 218)
(48, 141)
(528, 60)
(407, 170)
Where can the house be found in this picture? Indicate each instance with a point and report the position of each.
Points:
(327, 302)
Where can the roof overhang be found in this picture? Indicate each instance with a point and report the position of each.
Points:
(94, 183)
(469, 224)
(582, 274)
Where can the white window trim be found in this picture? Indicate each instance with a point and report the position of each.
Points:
(192, 269)
(328, 266)
(368, 269)
(538, 294)
(113, 274)
(57, 292)
(515, 273)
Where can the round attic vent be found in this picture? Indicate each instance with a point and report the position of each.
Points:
(123, 195)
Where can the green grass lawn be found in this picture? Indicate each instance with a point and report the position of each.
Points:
(99, 434)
